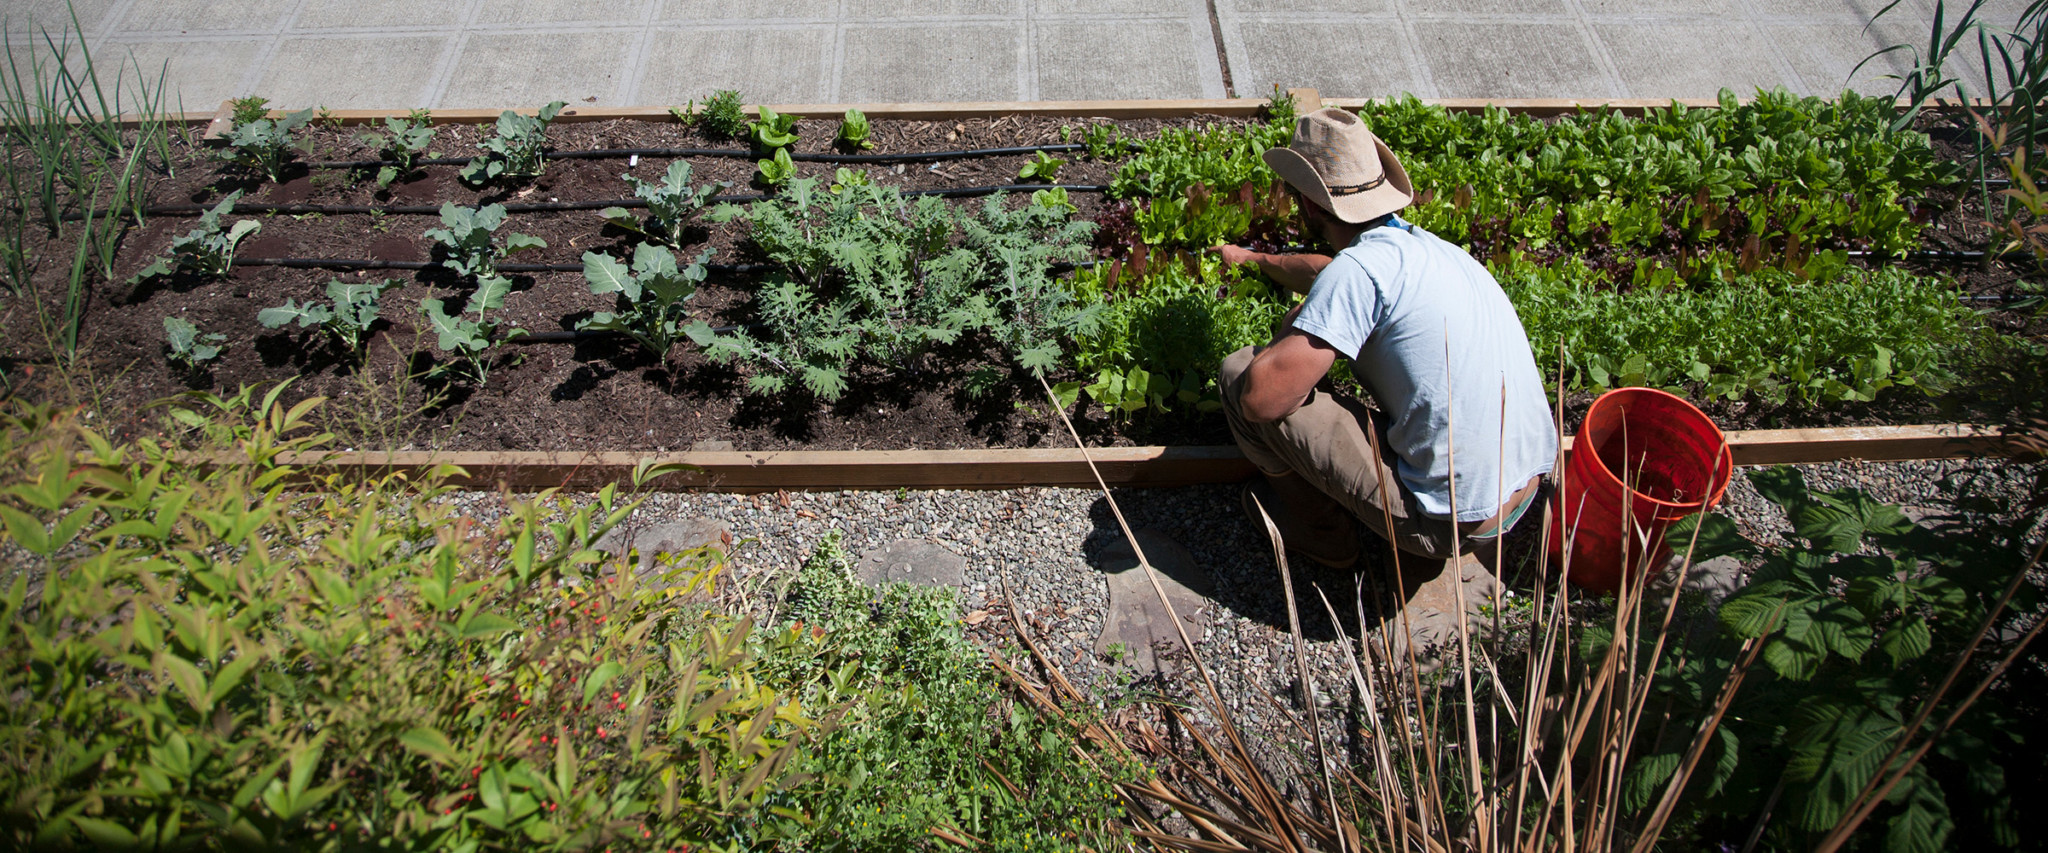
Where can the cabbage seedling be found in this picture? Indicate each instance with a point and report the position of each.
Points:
(853, 130)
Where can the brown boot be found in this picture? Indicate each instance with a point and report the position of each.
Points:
(1312, 524)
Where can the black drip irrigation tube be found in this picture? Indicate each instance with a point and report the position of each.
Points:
(734, 153)
(374, 264)
(553, 206)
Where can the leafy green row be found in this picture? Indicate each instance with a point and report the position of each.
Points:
(1768, 335)
(1788, 172)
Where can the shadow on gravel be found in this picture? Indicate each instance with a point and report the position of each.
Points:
(1236, 570)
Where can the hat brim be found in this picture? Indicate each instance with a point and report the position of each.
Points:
(1394, 194)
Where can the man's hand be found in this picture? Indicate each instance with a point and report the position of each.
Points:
(1294, 272)
(1234, 255)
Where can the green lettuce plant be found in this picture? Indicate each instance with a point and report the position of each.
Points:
(775, 171)
(773, 131)
(853, 130)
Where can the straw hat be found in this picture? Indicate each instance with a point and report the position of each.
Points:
(1337, 163)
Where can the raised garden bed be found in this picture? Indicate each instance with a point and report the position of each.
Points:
(608, 393)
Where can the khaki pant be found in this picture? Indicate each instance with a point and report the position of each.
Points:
(1325, 443)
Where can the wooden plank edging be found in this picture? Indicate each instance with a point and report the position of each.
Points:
(832, 470)
(952, 110)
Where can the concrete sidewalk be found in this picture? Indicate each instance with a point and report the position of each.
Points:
(399, 54)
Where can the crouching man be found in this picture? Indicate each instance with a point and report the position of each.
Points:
(1428, 332)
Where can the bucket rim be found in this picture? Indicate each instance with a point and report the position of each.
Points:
(1725, 470)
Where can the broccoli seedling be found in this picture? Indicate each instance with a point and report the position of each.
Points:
(264, 144)
(515, 152)
(470, 339)
(407, 143)
(467, 244)
(205, 250)
(347, 316)
(670, 203)
(190, 348)
(652, 297)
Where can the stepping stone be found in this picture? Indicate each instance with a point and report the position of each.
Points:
(1136, 624)
(668, 537)
(911, 561)
(1428, 620)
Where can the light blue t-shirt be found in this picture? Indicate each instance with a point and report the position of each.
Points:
(1434, 338)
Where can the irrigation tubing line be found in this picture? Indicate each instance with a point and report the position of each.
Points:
(374, 264)
(735, 153)
(548, 206)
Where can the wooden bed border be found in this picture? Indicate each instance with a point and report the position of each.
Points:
(833, 470)
(219, 121)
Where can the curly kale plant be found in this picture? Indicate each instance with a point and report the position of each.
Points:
(653, 297)
(516, 151)
(670, 203)
(869, 275)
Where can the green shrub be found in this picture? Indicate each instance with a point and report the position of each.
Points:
(1862, 613)
(284, 670)
(200, 656)
(938, 744)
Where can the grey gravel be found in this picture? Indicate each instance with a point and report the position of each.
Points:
(1046, 546)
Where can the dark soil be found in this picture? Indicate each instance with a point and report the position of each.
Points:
(606, 393)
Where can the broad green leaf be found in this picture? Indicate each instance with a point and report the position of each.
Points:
(600, 676)
(486, 624)
(490, 293)
(105, 833)
(523, 242)
(1782, 485)
(623, 218)
(431, 743)
(609, 276)
(188, 680)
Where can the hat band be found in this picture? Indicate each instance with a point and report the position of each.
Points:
(1354, 189)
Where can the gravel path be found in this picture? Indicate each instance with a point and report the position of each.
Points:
(1046, 544)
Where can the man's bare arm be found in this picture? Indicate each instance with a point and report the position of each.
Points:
(1294, 272)
(1283, 373)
